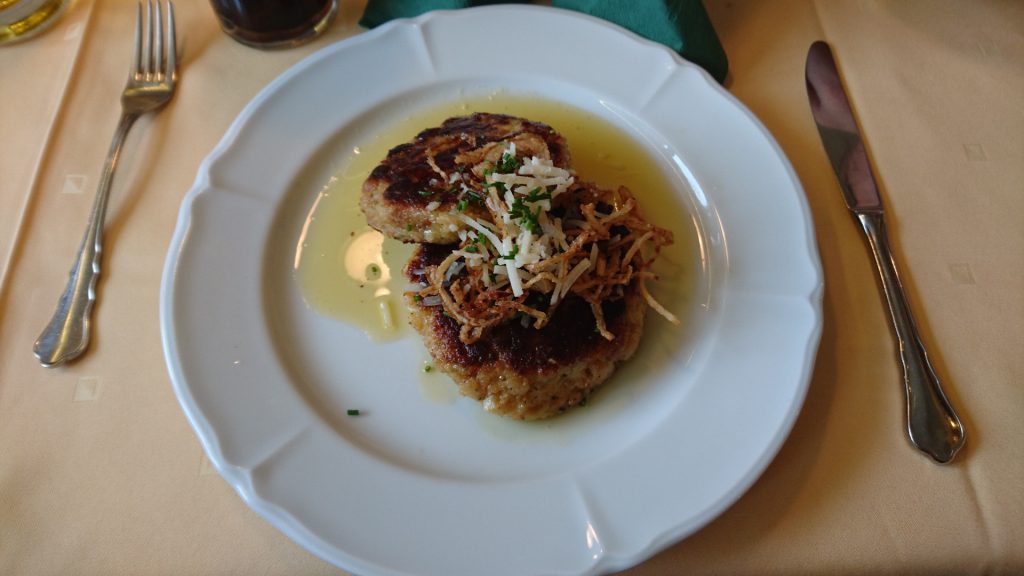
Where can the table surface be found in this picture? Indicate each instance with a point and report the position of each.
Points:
(101, 474)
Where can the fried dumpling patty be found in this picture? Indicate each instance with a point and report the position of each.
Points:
(413, 194)
(521, 372)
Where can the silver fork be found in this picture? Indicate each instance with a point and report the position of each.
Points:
(151, 83)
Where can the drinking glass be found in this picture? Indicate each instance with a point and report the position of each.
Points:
(274, 23)
(20, 19)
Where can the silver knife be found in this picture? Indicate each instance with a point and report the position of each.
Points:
(932, 424)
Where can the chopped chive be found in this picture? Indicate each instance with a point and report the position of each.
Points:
(511, 254)
(461, 206)
(471, 248)
(426, 193)
(536, 195)
(352, 412)
(527, 218)
(427, 368)
(508, 164)
(408, 227)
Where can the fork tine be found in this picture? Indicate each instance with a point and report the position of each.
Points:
(137, 56)
(158, 65)
(149, 40)
(172, 44)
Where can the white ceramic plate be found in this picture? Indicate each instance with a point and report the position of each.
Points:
(420, 487)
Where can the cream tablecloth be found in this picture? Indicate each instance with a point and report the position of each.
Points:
(100, 472)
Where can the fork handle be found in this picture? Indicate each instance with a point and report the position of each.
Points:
(67, 334)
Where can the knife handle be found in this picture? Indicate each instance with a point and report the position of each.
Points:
(932, 423)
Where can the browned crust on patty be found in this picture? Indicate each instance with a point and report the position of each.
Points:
(525, 373)
(396, 196)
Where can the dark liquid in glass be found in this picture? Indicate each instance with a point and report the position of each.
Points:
(273, 22)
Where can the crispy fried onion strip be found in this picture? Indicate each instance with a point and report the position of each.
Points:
(596, 248)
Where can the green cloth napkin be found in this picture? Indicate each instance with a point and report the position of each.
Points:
(682, 25)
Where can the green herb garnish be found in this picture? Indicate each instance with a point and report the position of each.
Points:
(508, 164)
(527, 218)
(512, 253)
(536, 195)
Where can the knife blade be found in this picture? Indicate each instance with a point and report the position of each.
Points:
(932, 424)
